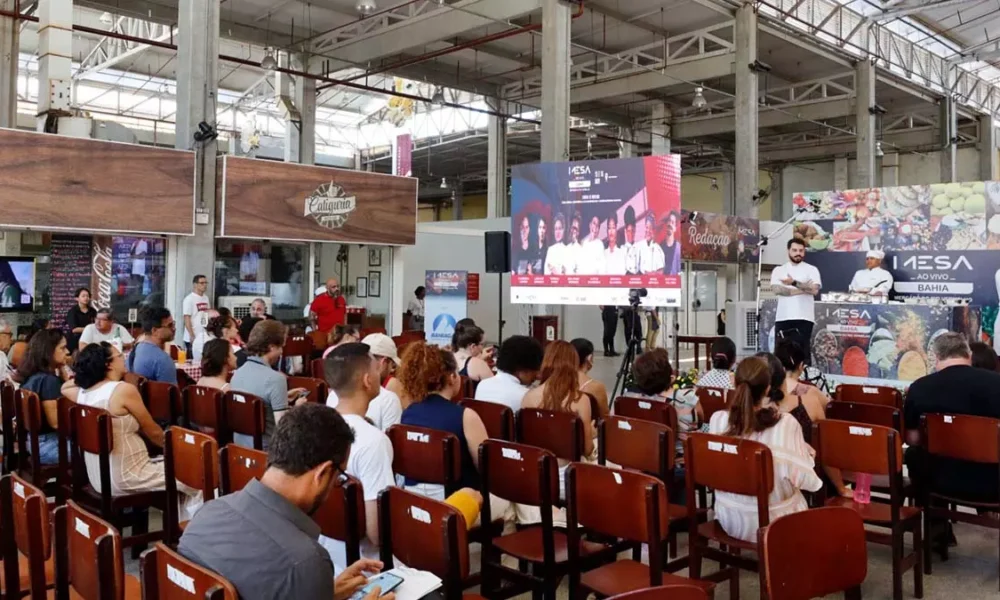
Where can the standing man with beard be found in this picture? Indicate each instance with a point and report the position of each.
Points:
(796, 283)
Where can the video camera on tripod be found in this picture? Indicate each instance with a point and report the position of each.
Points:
(635, 296)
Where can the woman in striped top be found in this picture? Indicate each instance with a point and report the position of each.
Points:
(752, 416)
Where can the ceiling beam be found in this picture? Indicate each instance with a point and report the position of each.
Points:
(817, 110)
(916, 6)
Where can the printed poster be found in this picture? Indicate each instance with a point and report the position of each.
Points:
(444, 305)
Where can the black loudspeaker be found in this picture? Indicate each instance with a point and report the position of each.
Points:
(498, 252)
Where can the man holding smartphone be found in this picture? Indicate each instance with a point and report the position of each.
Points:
(796, 283)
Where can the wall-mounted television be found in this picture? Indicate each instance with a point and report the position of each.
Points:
(17, 284)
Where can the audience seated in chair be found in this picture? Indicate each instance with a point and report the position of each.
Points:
(262, 538)
(518, 364)
(41, 372)
(594, 387)
(653, 378)
(98, 383)
(386, 409)
(341, 334)
(470, 354)
(723, 358)
(149, 357)
(750, 418)
(218, 362)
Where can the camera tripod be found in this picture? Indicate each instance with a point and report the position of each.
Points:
(630, 351)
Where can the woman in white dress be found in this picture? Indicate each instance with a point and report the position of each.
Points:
(556, 259)
(98, 383)
(753, 417)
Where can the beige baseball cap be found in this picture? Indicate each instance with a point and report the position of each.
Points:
(382, 345)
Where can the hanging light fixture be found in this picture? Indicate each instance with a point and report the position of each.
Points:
(444, 183)
(715, 184)
(269, 62)
(106, 18)
(365, 7)
(878, 149)
(438, 97)
(591, 133)
(699, 101)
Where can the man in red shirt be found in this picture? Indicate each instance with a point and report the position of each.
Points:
(330, 309)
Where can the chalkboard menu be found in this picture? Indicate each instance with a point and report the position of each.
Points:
(71, 270)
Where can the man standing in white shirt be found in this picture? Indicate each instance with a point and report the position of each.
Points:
(195, 309)
(385, 409)
(353, 374)
(796, 283)
(416, 308)
(593, 251)
(518, 364)
(873, 279)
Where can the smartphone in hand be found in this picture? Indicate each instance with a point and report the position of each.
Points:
(387, 582)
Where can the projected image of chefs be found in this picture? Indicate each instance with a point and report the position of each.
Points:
(650, 254)
(614, 255)
(630, 247)
(541, 245)
(574, 249)
(672, 244)
(591, 261)
(556, 258)
(523, 253)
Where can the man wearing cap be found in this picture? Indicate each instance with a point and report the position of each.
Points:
(385, 410)
(873, 279)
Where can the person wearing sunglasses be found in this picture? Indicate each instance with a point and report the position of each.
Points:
(149, 358)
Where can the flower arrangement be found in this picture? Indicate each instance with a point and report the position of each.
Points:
(686, 379)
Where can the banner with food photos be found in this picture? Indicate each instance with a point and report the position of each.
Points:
(939, 240)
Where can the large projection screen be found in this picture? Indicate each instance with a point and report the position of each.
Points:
(588, 232)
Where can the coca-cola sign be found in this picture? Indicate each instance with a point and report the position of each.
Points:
(709, 237)
(102, 274)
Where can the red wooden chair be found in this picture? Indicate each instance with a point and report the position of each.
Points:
(7, 410)
(189, 458)
(202, 410)
(244, 414)
(862, 448)
(163, 400)
(812, 554)
(166, 575)
(958, 437)
(88, 558)
(317, 388)
(184, 380)
(561, 433)
(712, 400)
(657, 411)
(590, 491)
(426, 455)
(238, 465)
(28, 423)
(725, 464)
(498, 418)
(665, 592)
(26, 539)
(342, 516)
(316, 369)
(298, 346)
(869, 394)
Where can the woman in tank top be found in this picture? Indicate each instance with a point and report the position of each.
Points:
(469, 353)
(589, 385)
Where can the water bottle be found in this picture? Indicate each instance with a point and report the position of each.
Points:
(863, 488)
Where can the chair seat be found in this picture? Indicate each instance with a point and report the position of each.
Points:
(965, 502)
(625, 576)
(25, 576)
(875, 512)
(133, 590)
(880, 483)
(142, 499)
(527, 545)
(713, 530)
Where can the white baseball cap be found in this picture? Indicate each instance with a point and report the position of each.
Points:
(382, 345)
(875, 254)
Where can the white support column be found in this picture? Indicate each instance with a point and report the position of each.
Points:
(497, 200)
(989, 160)
(890, 170)
(949, 147)
(300, 134)
(865, 117)
(555, 77)
(659, 130)
(746, 110)
(626, 149)
(197, 90)
(841, 180)
(55, 58)
(9, 47)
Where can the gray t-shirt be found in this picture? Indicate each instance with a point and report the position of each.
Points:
(258, 378)
(266, 546)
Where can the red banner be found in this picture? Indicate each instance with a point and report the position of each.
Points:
(624, 281)
(472, 287)
(402, 155)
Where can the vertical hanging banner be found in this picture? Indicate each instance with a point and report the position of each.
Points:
(402, 155)
(444, 305)
(472, 287)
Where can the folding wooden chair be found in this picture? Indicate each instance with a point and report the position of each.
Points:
(88, 558)
(869, 394)
(244, 414)
(498, 418)
(812, 554)
(238, 465)
(862, 448)
(190, 458)
(166, 575)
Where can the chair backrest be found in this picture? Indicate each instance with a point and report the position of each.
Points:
(592, 489)
(163, 401)
(317, 388)
(424, 534)
(166, 575)
(519, 473)
(637, 444)
(858, 447)
(238, 465)
(870, 394)
(728, 464)
(28, 419)
(657, 411)
(244, 414)
(298, 345)
(469, 386)
(813, 553)
(64, 477)
(342, 517)
(862, 412)
(426, 455)
(137, 380)
(189, 458)
(963, 437)
(24, 506)
(202, 407)
(665, 592)
(498, 418)
(316, 368)
(561, 433)
(91, 432)
(183, 379)
(712, 400)
(7, 409)
(88, 556)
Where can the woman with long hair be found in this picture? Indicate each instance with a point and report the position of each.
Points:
(588, 385)
(753, 416)
(723, 358)
(218, 361)
(42, 371)
(340, 335)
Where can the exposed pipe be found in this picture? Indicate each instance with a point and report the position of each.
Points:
(354, 22)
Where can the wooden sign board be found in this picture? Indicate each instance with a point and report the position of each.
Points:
(57, 183)
(262, 199)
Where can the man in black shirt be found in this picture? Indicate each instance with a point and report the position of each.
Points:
(956, 388)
